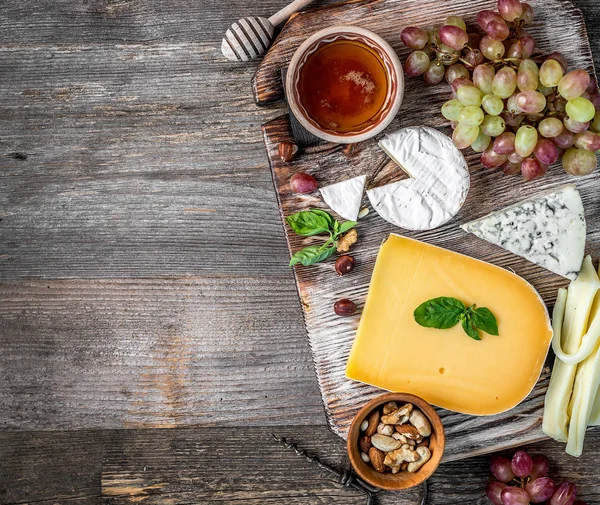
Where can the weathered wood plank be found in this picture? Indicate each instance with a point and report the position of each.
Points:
(228, 465)
(330, 336)
(153, 353)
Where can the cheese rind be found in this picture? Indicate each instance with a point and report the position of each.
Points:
(446, 367)
(438, 185)
(345, 197)
(549, 230)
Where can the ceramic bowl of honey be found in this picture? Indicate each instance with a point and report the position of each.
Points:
(345, 84)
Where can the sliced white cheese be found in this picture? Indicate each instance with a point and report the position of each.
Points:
(345, 197)
(438, 185)
(548, 230)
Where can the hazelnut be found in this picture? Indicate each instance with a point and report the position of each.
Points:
(287, 151)
(344, 264)
(344, 307)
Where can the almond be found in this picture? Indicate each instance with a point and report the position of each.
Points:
(376, 457)
(373, 422)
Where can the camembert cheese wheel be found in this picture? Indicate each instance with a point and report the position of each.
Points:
(446, 367)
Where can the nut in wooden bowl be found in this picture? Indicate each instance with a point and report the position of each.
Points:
(396, 441)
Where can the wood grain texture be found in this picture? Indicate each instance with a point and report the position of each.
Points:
(162, 353)
(228, 466)
(330, 336)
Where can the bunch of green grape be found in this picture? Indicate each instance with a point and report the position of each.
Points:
(519, 114)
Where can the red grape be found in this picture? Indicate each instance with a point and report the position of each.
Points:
(564, 495)
(565, 139)
(473, 57)
(521, 462)
(505, 143)
(532, 168)
(414, 37)
(511, 167)
(575, 126)
(491, 159)
(514, 50)
(531, 102)
(573, 84)
(546, 152)
(510, 9)
(540, 489)
(527, 46)
(485, 16)
(493, 491)
(497, 30)
(514, 496)
(527, 15)
(588, 140)
(416, 63)
(303, 183)
(453, 37)
(512, 120)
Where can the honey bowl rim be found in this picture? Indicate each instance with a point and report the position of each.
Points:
(392, 105)
(401, 480)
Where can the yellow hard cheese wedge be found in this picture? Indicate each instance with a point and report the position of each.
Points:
(446, 367)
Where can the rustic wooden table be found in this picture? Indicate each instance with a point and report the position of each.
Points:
(143, 272)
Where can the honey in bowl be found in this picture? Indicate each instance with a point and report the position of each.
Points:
(343, 85)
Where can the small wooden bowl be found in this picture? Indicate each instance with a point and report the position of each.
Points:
(401, 480)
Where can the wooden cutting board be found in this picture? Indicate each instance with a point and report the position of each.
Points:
(558, 26)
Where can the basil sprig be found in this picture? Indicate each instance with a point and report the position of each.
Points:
(309, 223)
(445, 312)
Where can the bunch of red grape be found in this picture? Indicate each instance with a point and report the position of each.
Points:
(520, 114)
(525, 480)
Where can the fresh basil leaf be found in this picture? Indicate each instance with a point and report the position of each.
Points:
(312, 254)
(345, 226)
(469, 330)
(441, 313)
(310, 222)
(325, 215)
(483, 319)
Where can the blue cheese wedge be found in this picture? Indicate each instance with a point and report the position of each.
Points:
(345, 197)
(548, 230)
(438, 185)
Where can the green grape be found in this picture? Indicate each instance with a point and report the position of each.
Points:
(481, 143)
(483, 77)
(596, 123)
(505, 82)
(471, 116)
(491, 48)
(527, 76)
(464, 135)
(550, 73)
(493, 125)
(550, 127)
(456, 21)
(581, 109)
(573, 84)
(545, 91)
(492, 104)
(525, 140)
(512, 105)
(469, 95)
(578, 161)
(451, 110)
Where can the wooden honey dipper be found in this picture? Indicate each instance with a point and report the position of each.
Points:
(250, 37)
